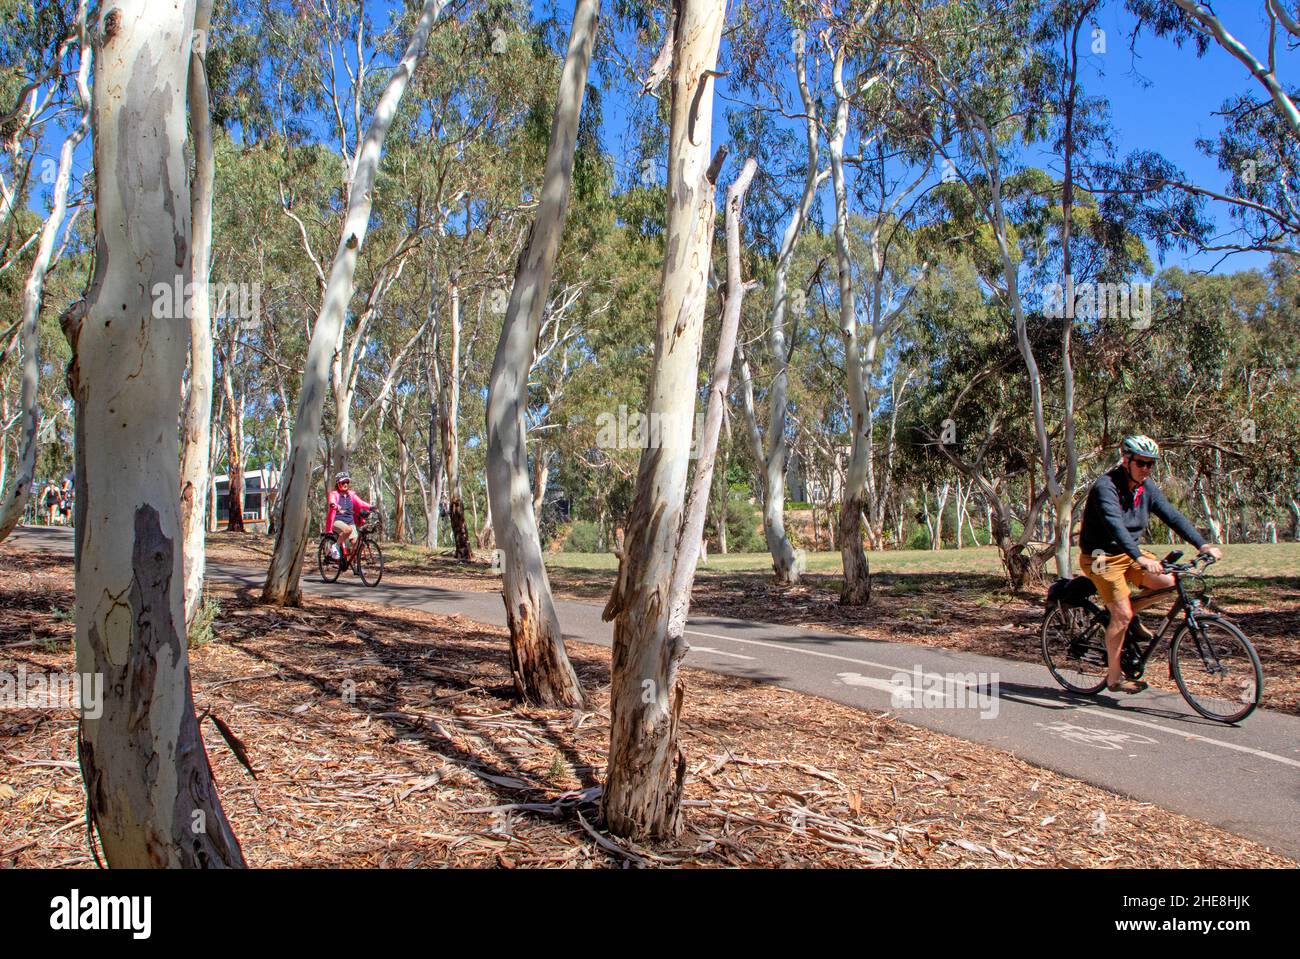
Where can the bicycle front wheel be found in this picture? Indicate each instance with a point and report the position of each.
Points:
(1074, 649)
(370, 562)
(1217, 669)
(329, 566)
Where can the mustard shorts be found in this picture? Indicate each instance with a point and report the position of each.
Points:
(1113, 576)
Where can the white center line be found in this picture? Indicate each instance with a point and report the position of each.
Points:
(719, 652)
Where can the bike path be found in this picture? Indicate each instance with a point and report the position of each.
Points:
(1151, 747)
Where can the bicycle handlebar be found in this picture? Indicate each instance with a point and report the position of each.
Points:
(1171, 565)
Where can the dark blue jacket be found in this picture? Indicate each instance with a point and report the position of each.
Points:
(1113, 524)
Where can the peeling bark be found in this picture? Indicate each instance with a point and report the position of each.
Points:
(707, 444)
(149, 787)
(643, 788)
(539, 664)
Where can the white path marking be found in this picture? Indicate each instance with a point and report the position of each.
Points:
(884, 685)
(1093, 710)
(719, 652)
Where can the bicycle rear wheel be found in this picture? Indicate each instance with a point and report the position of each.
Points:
(370, 562)
(1217, 669)
(1074, 649)
(329, 566)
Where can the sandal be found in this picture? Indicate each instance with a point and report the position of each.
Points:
(1129, 686)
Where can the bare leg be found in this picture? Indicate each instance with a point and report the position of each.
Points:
(1150, 583)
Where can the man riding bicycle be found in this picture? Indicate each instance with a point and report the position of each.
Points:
(1116, 515)
(343, 516)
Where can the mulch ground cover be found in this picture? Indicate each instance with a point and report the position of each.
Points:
(388, 737)
(971, 612)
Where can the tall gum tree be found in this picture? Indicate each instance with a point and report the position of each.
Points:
(149, 788)
(282, 585)
(773, 458)
(538, 662)
(16, 493)
(643, 789)
(707, 441)
(196, 439)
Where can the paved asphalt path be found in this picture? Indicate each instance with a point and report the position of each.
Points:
(1152, 746)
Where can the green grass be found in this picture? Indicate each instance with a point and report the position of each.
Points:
(1248, 562)
(1245, 560)
(1250, 573)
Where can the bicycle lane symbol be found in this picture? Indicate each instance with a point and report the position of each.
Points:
(1097, 738)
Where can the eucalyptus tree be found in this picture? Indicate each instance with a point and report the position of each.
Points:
(715, 409)
(893, 163)
(1189, 20)
(1257, 145)
(37, 43)
(282, 586)
(988, 85)
(13, 499)
(149, 789)
(646, 769)
(196, 423)
(773, 454)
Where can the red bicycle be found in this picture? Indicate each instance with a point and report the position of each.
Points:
(367, 559)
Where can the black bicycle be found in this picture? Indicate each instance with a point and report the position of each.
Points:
(367, 560)
(1215, 666)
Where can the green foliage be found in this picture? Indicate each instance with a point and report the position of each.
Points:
(201, 630)
(744, 524)
(583, 537)
(916, 537)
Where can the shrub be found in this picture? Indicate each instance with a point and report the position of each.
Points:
(918, 537)
(583, 537)
(744, 525)
(201, 632)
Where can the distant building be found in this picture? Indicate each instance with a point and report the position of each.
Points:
(801, 488)
(260, 487)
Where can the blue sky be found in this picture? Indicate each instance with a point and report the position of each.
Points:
(1160, 97)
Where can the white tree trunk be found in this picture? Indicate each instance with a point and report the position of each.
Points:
(960, 505)
(941, 501)
(149, 787)
(1057, 493)
(643, 787)
(856, 588)
(777, 454)
(539, 664)
(196, 430)
(707, 444)
(14, 499)
(282, 586)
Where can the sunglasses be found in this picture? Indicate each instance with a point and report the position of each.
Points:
(345, 482)
(1143, 464)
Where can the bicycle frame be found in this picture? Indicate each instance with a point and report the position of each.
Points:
(1183, 604)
